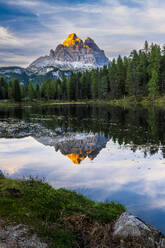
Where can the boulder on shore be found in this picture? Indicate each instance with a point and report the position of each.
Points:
(133, 232)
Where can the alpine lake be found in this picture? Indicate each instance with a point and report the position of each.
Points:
(105, 153)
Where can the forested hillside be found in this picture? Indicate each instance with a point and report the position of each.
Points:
(139, 75)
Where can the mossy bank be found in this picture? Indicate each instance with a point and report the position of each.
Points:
(35, 215)
(50, 213)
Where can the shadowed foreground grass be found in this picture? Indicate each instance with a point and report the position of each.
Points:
(45, 209)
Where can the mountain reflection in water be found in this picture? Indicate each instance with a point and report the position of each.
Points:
(78, 149)
(120, 154)
(138, 128)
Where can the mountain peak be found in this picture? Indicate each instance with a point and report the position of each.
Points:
(88, 38)
(72, 40)
(73, 54)
(72, 36)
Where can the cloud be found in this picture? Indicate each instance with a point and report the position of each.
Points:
(117, 26)
(7, 39)
(22, 3)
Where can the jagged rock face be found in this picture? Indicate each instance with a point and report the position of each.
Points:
(74, 49)
(73, 53)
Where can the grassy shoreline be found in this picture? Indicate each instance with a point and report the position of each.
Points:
(124, 102)
(50, 212)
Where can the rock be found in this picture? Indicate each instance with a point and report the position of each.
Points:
(72, 40)
(73, 53)
(51, 53)
(18, 236)
(74, 49)
(129, 227)
(20, 129)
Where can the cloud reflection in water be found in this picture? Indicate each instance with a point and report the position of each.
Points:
(117, 173)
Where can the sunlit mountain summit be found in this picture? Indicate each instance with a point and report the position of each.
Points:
(73, 53)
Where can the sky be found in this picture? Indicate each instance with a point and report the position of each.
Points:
(30, 28)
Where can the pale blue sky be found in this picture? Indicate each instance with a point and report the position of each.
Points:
(30, 28)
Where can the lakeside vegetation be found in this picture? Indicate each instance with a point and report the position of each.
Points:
(47, 210)
(139, 76)
(127, 102)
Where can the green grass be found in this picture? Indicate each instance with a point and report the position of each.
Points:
(10, 103)
(124, 102)
(129, 102)
(44, 208)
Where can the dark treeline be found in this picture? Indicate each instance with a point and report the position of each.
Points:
(141, 74)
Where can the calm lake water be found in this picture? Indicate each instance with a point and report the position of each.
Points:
(103, 152)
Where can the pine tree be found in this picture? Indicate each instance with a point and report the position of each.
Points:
(129, 78)
(113, 79)
(3, 88)
(25, 90)
(71, 87)
(146, 47)
(31, 91)
(37, 91)
(85, 86)
(142, 73)
(121, 77)
(103, 87)
(15, 90)
(154, 70)
(63, 86)
(94, 85)
(153, 84)
(59, 89)
(162, 72)
(133, 74)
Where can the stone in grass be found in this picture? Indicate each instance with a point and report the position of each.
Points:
(16, 236)
(129, 227)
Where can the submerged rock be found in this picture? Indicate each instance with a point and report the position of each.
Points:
(20, 129)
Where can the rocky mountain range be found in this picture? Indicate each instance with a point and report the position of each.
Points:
(73, 54)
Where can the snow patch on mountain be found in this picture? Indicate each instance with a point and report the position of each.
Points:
(48, 63)
(73, 54)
